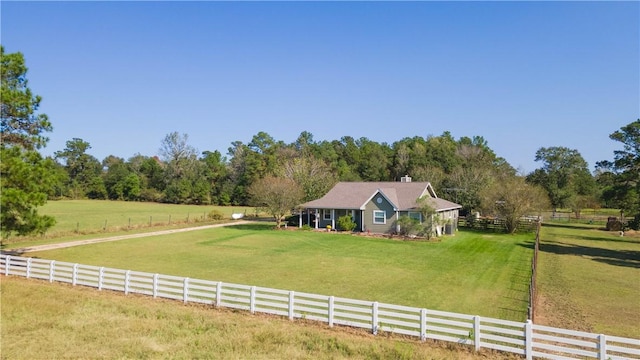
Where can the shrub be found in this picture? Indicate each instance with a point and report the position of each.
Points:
(408, 226)
(215, 215)
(346, 223)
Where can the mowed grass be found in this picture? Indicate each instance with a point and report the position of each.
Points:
(85, 219)
(473, 273)
(589, 279)
(56, 321)
(93, 215)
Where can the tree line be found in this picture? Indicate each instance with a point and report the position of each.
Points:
(464, 170)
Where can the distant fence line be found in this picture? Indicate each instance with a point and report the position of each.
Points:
(135, 222)
(585, 216)
(526, 339)
(494, 224)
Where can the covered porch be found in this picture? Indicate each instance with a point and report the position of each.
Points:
(319, 218)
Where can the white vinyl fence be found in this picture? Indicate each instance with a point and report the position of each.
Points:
(523, 338)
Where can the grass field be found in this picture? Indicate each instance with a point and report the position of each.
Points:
(57, 321)
(86, 219)
(90, 216)
(589, 279)
(472, 273)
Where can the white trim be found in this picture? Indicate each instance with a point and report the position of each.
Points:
(384, 216)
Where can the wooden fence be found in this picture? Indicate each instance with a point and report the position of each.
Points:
(495, 224)
(523, 338)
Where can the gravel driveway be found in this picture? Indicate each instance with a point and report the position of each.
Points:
(116, 238)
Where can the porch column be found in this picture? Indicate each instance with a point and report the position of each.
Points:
(299, 218)
(333, 219)
(317, 218)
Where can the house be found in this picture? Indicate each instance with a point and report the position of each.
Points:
(376, 206)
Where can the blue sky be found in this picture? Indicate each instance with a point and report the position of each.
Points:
(523, 75)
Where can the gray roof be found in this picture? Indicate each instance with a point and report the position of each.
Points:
(402, 195)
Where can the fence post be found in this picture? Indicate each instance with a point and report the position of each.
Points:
(127, 274)
(52, 270)
(476, 332)
(7, 264)
(528, 340)
(331, 307)
(291, 304)
(423, 324)
(374, 318)
(28, 268)
(74, 275)
(100, 277)
(252, 300)
(155, 285)
(185, 290)
(218, 293)
(602, 347)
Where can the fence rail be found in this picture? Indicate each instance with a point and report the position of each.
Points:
(525, 339)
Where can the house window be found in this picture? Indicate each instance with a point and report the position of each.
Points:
(379, 217)
(327, 215)
(415, 215)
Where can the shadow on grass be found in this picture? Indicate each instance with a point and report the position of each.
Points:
(626, 258)
(515, 313)
(253, 226)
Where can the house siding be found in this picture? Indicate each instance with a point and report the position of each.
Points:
(373, 205)
(448, 217)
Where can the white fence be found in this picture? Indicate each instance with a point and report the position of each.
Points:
(525, 339)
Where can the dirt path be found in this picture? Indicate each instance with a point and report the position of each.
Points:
(116, 238)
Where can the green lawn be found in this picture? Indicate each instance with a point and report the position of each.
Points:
(92, 215)
(589, 279)
(472, 273)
